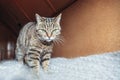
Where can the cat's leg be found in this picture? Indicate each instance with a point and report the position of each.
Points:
(32, 60)
(45, 59)
(19, 55)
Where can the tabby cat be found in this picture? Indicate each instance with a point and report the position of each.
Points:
(35, 42)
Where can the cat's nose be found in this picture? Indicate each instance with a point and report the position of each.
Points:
(49, 35)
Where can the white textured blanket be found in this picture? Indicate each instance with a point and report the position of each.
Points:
(95, 67)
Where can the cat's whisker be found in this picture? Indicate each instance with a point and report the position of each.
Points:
(58, 41)
(62, 38)
(55, 43)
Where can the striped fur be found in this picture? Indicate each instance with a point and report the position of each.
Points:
(35, 42)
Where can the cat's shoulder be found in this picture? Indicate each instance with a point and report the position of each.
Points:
(30, 24)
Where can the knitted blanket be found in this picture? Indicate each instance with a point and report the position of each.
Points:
(95, 67)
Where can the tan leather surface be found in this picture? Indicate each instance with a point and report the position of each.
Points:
(90, 27)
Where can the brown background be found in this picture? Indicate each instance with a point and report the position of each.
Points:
(7, 43)
(90, 27)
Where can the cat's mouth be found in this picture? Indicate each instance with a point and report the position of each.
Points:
(46, 42)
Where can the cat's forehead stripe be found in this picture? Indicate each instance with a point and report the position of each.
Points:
(49, 23)
(49, 20)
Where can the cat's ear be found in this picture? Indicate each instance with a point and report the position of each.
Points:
(58, 18)
(38, 18)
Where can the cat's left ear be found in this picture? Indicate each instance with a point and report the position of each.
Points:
(58, 18)
(38, 18)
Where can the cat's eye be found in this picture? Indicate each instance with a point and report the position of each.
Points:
(55, 30)
(42, 30)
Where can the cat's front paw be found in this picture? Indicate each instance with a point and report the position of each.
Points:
(45, 66)
(20, 61)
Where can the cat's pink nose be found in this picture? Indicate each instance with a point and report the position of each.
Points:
(49, 35)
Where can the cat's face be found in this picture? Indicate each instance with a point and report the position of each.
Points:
(48, 29)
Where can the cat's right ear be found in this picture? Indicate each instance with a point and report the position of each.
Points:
(38, 18)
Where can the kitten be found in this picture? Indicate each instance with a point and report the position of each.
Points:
(35, 42)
